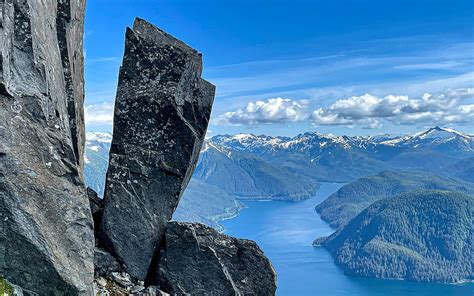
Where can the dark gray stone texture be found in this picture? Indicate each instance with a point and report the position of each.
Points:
(105, 264)
(95, 202)
(46, 235)
(97, 208)
(197, 260)
(70, 28)
(162, 110)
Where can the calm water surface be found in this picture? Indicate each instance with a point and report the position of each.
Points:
(285, 230)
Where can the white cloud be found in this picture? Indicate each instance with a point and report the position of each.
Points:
(99, 114)
(369, 110)
(275, 110)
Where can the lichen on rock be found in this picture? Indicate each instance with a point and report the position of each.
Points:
(5, 287)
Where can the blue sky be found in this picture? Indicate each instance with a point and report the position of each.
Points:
(287, 67)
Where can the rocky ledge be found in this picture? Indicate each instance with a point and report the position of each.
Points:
(194, 259)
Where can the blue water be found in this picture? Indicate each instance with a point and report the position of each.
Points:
(285, 230)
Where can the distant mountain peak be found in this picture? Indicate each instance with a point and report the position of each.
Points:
(442, 133)
(434, 135)
(244, 136)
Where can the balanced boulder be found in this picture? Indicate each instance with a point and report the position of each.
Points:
(162, 110)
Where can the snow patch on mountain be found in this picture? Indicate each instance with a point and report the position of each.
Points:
(442, 133)
(433, 136)
(304, 142)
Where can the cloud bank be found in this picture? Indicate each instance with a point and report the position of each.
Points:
(371, 111)
(366, 111)
(99, 114)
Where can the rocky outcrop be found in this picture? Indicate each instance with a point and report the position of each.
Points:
(161, 116)
(111, 279)
(196, 259)
(122, 285)
(162, 111)
(46, 235)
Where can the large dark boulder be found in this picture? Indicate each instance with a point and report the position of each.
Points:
(46, 235)
(162, 110)
(196, 259)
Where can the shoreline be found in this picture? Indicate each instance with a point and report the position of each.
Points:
(463, 283)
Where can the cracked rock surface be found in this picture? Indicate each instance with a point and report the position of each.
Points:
(46, 235)
(196, 259)
(162, 110)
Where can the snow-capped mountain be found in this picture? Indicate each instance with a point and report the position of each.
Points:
(99, 143)
(436, 138)
(251, 166)
(431, 138)
(98, 137)
(243, 174)
(283, 166)
(344, 158)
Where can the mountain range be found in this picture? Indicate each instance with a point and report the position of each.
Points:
(247, 166)
(329, 158)
(96, 159)
(246, 175)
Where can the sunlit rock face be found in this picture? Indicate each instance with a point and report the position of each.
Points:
(162, 110)
(46, 235)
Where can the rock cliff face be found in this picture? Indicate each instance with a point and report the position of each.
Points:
(46, 235)
(70, 28)
(196, 259)
(162, 111)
